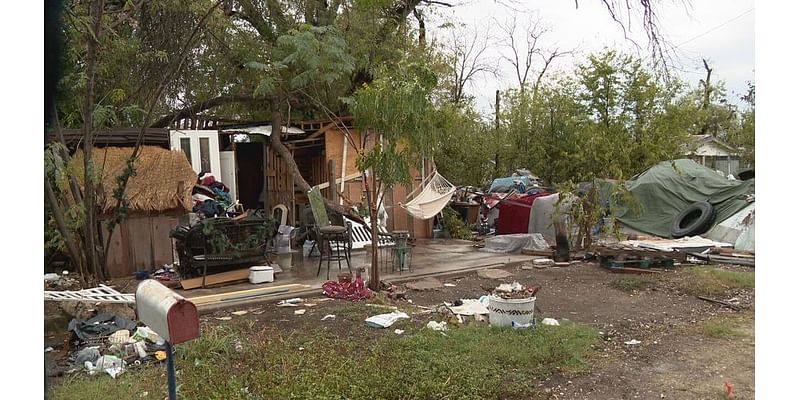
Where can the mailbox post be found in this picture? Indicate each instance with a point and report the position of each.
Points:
(171, 316)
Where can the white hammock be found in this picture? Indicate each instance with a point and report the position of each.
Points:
(433, 198)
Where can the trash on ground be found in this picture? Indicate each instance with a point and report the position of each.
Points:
(240, 313)
(300, 312)
(347, 289)
(399, 331)
(450, 284)
(550, 321)
(224, 318)
(112, 365)
(49, 349)
(102, 325)
(51, 277)
(633, 342)
(119, 337)
(385, 320)
(161, 355)
(543, 262)
(290, 302)
(437, 326)
(510, 287)
(516, 325)
(329, 316)
(470, 307)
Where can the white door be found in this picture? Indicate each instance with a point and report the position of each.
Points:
(201, 148)
(227, 165)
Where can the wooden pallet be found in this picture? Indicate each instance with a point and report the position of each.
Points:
(611, 263)
(620, 251)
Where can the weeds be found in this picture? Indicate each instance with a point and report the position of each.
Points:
(630, 285)
(717, 281)
(469, 363)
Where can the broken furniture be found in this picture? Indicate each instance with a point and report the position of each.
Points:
(218, 244)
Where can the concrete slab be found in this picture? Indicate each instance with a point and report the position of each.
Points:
(428, 257)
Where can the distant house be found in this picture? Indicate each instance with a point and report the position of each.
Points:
(713, 153)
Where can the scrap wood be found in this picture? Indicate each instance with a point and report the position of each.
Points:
(225, 277)
(634, 270)
(532, 252)
(242, 294)
(722, 302)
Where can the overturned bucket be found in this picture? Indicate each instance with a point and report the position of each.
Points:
(503, 311)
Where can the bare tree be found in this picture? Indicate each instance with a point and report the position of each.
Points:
(466, 48)
(523, 57)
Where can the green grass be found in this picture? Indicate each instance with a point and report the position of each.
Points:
(717, 281)
(471, 362)
(630, 285)
(719, 329)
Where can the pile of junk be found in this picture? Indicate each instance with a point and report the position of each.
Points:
(672, 205)
(220, 235)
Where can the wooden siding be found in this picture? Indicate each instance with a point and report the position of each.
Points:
(140, 243)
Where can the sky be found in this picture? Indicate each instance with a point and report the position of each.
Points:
(721, 31)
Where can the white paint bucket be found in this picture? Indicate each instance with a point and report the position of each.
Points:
(503, 311)
(261, 274)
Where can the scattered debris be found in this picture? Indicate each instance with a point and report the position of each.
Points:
(49, 349)
(470, 307)
(510, 287)
(329, 316)
(51, 277)
(399, 331)
(112, 365)
(425, 284)
(300, 312)
(346, 289)
(728, 304)
(543, 262)
(290, 302)
(224, 318)
(492, 273)
(550, 321)
(526, 267)
(516, 325)
(450, 284)
(161, 355)
(633, 342)
(437, 326)
(119, 337)
(240, 313)
(385, 320)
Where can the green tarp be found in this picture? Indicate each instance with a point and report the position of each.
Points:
(668, 187)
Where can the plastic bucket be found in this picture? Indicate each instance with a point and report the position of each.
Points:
(503, 311)
(261, 274)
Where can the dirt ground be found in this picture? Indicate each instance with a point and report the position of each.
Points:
(676, 359)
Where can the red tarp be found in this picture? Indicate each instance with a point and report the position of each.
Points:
(515, 212)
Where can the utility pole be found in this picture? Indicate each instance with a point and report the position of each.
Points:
(497, 133)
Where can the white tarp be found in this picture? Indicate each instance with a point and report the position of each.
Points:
(739, 229)
(514, 243)
(265, 130)
(542, 213)
(684, 243)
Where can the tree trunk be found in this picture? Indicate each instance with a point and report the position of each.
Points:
(286, 155)
(89, 190)
(50, 196)
(372, 199)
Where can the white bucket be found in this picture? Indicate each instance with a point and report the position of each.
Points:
(503, 311)
(261, 274)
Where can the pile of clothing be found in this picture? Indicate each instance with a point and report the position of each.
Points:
(211, 197)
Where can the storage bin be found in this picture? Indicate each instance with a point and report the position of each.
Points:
(262, 274)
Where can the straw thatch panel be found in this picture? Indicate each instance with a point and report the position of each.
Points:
(164, 179)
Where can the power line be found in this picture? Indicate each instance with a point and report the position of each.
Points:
(713, 29)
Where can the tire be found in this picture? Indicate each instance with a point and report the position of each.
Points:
(693, 220)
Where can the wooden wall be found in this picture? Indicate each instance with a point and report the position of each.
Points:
(280, 183)
(398, 218)
(141, 243)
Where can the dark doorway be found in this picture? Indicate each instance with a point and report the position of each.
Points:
(250, 167)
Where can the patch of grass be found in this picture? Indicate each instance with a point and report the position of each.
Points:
(630, 285)
(469, 363)
(718, 329)
(717, 281)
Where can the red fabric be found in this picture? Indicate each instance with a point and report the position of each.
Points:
(354, 290)
(515, 211)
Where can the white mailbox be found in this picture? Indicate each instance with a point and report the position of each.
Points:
(170, 315)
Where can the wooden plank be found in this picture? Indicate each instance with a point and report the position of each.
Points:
(116, 261)
(531, 252)
(246, 293)
(224, 277)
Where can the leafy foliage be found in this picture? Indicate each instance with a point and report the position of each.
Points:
(454, 225)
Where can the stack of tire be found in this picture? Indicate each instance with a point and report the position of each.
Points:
(693, 220)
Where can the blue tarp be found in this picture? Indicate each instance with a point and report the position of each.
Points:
(508, 182)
